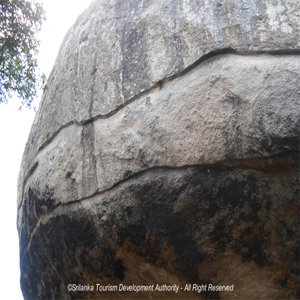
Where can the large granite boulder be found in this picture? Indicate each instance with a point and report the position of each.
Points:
(166, 153)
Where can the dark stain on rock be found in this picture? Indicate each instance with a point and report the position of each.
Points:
(35, 205)
(226, 206)
(69, 242)
(68, 175)
(197, 216)
(282, 282)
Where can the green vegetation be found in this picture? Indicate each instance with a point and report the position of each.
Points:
(19, 22)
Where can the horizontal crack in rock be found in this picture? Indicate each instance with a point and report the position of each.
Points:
(159, 84)
(269, 164)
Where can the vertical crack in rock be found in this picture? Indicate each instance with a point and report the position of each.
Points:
(177, 43)
(132, 60)
(89, 168)
(75, 82)
(118, 56)
(93, 79)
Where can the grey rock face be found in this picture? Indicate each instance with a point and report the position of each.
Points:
(166, 151)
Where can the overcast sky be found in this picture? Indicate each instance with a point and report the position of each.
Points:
(14, 130)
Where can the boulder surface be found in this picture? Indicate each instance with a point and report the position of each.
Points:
(165, 154)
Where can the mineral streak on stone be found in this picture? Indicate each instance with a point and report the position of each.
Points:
(166, 151)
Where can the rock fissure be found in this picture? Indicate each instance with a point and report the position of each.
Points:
(265, 164)
(160, 86)
(30, 172)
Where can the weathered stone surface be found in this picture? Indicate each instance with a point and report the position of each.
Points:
(166, 151)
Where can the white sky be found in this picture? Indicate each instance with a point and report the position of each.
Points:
(14, 130)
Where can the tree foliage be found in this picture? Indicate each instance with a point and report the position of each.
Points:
(19, 22)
